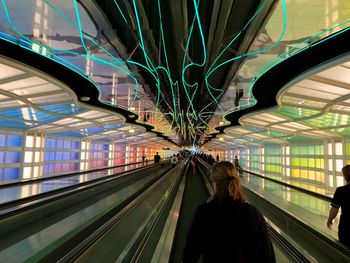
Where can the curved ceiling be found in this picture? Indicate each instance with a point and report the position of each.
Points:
(36, 102)
(314, 108)
(182, 67)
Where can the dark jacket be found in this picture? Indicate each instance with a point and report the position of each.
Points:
(228, 232)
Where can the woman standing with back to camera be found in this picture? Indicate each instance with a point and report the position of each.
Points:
(227, 228)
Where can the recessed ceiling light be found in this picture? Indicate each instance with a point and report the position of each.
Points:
(84, 98)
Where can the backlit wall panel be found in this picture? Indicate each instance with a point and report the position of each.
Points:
(10, 155)
(316, 165)
(98, 154)
(62, 155)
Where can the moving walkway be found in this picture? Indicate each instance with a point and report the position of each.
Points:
(41, 229)
(142, 217)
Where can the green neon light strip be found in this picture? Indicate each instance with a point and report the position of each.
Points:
(284, 10)
(120, 11)
(117, 61)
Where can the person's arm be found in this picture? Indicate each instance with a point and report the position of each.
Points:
(336, 203)
(332, 214)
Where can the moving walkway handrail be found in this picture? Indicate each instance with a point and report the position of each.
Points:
(20, 205)
(297, 188)
(300, 189)
(163, 250)
(333, 244)
(59, 176)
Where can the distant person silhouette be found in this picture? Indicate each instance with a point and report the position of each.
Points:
(217, 158)
(174, 160)
(236, 163)
(341, 199)
(227, 228)
(157, 158)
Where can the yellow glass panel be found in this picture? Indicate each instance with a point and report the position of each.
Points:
(312, 175)
(304, 174)
(347, 148)
(322, 163)
(303, 162)
(311, 163)
(295, 173)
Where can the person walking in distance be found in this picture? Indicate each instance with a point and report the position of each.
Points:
(236, 163)
(341, 199)
(174, 160)
(157, 158)
(227, 228)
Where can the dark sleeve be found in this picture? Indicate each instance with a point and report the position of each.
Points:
(192, 250)
(337, 200)
(264, 249)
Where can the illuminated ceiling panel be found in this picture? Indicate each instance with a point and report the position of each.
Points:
(51, 117)
(298, 123)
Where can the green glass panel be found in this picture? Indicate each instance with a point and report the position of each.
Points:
(303, 162)
(295, 113)
(347, 148)
(311, 150)
(303, 150)
(295, 162)
(311, 162)
(295, 150)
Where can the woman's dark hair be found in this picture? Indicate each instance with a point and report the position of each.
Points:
(226, 179)
(346, 173)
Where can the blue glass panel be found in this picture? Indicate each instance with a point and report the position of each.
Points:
(75, 155)
(59, 156)
(46, 168)
(2, 155)
(2, 139)
(67, 144)
(75, 134)
(11, 173)
(75, 145)
(66, 156)
(105, 147)
(59, 144)
(47, 156)
(52, 168)
(53, 143)
(15, 124)
(52, 156)
(1, 174)
(12, 157)
(113, 126)
(48, 143)
(14, 140)
(31, 114)
(64, 108)
(94, 130)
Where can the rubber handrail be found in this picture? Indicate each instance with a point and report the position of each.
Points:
(55, 177)
(59, 193)
(300, 189)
